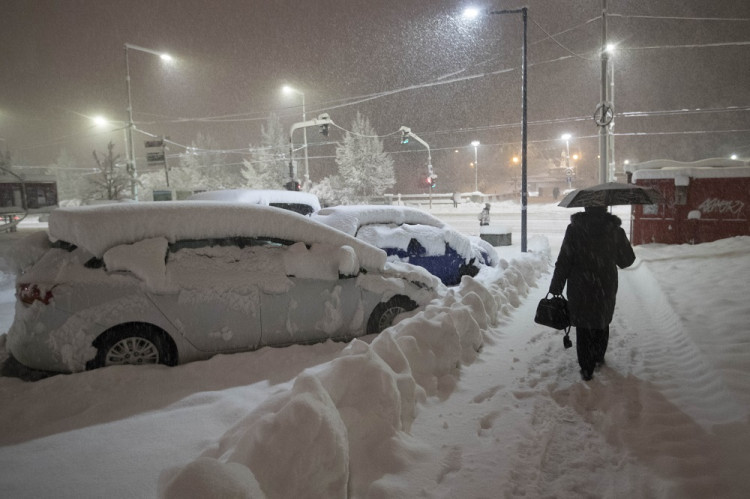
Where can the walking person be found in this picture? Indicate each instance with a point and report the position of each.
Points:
(484, 215)
(595, 245)
(456, 199)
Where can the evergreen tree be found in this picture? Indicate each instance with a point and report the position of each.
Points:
(268, 167)
(365, 170)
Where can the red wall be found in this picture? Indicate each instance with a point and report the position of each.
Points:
(724, 204)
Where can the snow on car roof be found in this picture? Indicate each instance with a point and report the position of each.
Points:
(350, 217)
(259, 196)
(99, 228)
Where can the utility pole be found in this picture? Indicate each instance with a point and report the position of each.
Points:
(604, 125)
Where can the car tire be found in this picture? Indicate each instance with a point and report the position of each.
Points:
(133, 344)
(470, 270)
(383, 314)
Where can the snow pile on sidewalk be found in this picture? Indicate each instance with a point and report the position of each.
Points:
(344, 425)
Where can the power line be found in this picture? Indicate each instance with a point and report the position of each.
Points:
(678, 18)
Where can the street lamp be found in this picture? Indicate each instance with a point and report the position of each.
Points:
(611, 47)
(130, 149)
(566, 138)
(524, 11)
(475, 143)
(290, 90)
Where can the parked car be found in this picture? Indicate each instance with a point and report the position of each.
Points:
(300, 202)
(175, 282)
(414, 236)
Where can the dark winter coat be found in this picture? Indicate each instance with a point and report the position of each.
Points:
(593, 247)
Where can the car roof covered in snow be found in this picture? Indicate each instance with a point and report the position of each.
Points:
(350, 217)
(99, 228)
(259, 196)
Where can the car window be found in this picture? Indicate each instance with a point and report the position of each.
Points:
(302, 209)
(240, 242)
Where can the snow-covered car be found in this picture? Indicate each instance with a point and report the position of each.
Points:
(304, 203)
(414, 236)
(176, 282)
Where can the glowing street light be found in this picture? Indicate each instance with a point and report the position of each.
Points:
(471, 13)
(100, 121)
(130, 149)
(291, 90)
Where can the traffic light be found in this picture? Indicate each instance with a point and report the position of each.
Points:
(324, 129)
(293, 185)
(431, 181)
(404, 137)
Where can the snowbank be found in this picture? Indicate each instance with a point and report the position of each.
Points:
(343, 426)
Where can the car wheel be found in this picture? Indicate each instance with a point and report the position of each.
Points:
(383, 314)
(133, 344)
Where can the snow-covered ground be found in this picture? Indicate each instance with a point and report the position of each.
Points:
(469, 399)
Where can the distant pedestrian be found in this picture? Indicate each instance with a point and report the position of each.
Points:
(593, 247)
(456, 199)
(556, 193)
(484, 216)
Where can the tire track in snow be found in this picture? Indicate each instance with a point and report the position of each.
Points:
(621, 435)
(655, 337)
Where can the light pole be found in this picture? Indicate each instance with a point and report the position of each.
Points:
(604, 101)
(475, 143)
(287, 89)
(611, 136)
(524, 11)
(130, 149)
(566, 138)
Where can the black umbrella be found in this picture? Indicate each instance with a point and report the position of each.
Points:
(611, 193)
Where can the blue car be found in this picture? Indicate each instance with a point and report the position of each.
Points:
(414, 236)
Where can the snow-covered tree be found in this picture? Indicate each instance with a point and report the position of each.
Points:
(268, 166)
(331, 191)
(365, 170)
(205, 159)
(111, 181)
(72, 182)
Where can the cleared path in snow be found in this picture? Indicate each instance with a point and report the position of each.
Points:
(634, 431)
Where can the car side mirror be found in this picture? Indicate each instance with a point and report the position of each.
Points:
(348, 262)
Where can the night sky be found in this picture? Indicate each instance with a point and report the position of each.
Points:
(412, 63)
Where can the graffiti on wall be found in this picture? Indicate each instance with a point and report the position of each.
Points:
(716, 205)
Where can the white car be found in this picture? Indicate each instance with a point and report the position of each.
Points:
(176, 282)
(300, 202)
(414, 236)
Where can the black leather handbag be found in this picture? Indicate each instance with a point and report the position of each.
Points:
(553, 312)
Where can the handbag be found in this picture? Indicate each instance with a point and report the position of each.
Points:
(553, 312)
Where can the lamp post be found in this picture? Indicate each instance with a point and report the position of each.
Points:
(475, 143)
(130, 149)
(566, 138)
(611, 135)
(524, 11)
(287, 89)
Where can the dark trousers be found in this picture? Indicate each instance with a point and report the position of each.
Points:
(591, 345)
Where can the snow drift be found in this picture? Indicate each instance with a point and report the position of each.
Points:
(340, 428)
